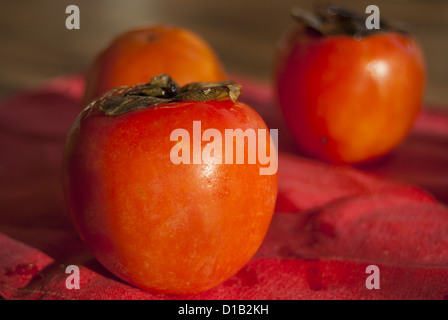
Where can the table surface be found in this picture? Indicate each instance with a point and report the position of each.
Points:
(37, 46)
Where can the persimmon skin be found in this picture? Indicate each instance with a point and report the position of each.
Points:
(177, 229)
(140, 54)
(348, 100)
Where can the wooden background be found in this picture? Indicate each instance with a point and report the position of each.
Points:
(35, 44)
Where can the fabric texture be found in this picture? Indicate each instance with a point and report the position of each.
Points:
(331, 222)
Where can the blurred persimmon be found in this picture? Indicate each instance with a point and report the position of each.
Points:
(348, 94)
(140, 54)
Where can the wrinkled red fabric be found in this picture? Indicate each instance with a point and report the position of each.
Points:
(331, 222)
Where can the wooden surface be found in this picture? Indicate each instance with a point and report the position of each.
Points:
(35, 44)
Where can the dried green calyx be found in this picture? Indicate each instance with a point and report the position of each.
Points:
(162, 89)
(336, 20)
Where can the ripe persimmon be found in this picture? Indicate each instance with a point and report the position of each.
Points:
(348, 94)
(138, 55)
(157, 223)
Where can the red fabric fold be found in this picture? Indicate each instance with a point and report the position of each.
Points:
(331, 222)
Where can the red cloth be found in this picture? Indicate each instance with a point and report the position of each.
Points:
(331, 222)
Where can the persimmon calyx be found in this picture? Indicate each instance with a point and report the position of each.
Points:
(336, 20)
(162, 89)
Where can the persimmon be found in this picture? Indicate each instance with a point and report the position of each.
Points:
(348, 94)
(140, 54)
(158, 223)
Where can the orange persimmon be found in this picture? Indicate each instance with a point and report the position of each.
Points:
(348, 94)
(159, 224)
(140, 54)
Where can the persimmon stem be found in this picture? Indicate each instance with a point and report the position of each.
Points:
(336, 20)
(162, 89)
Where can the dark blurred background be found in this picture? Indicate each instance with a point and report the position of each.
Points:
(35, 44)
